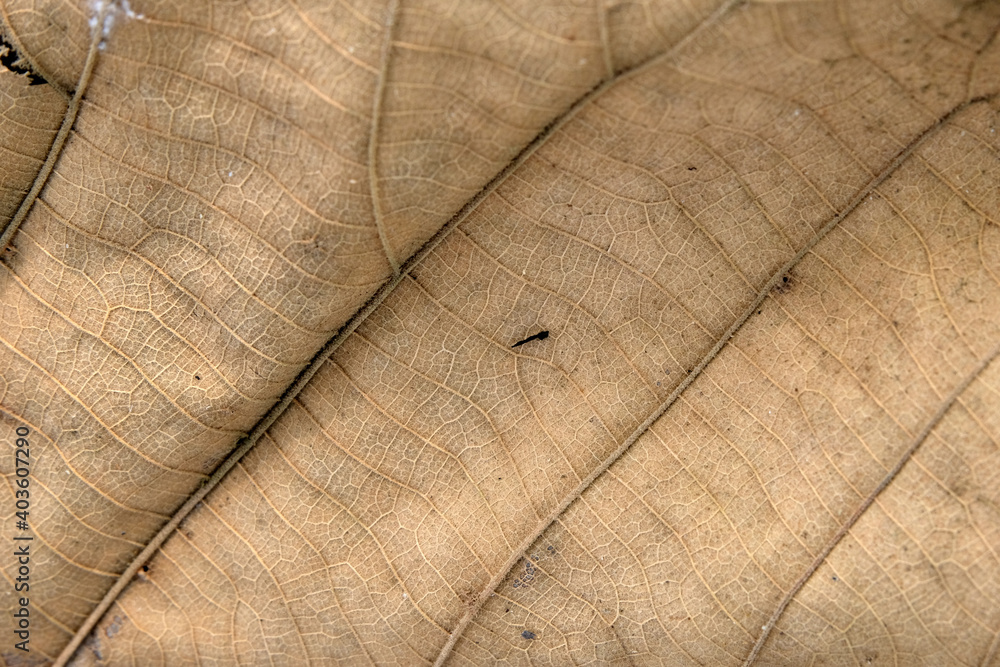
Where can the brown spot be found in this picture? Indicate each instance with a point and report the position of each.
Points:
(785, 285)
(8, 253)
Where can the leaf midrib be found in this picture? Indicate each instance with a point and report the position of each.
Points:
(290, 394)
(244, 445)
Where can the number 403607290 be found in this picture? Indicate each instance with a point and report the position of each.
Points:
(22, 456)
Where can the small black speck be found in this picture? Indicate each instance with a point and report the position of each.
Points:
(835, 578)
(145, 568)
(528, 634)
(758, 312)
(692, 168)
(197, 377)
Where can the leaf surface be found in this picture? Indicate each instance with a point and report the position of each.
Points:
(763, 426)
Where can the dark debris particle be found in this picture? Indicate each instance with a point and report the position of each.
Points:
(786, 284)
(541, 335)
(7, 254)
(528, 634)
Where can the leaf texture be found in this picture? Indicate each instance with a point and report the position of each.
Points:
(763, 427)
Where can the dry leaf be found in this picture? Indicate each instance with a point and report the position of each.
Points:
(764, 241)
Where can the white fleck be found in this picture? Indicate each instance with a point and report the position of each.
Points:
(353, 181)
(524, 271)
(797, 112)
(230, 174)
(405, 596)
(583, 61)
(129, 13)
(350, 49)
(110, 10)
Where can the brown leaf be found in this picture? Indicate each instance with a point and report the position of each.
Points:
(272, 261)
